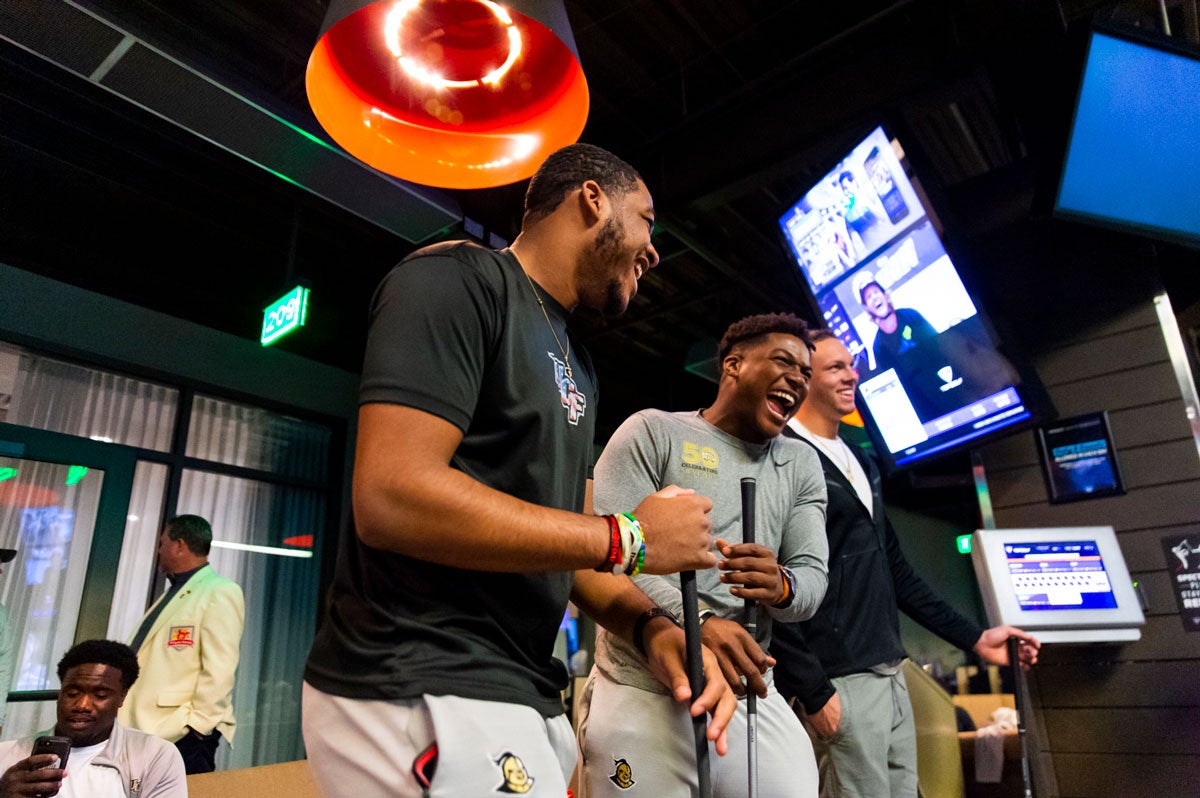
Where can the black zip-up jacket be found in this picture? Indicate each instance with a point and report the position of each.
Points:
(857, 625)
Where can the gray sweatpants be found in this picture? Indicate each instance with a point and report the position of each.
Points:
(873, 754)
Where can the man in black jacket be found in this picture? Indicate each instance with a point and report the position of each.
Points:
(841, 669)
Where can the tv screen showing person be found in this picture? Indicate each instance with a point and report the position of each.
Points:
(856, 209)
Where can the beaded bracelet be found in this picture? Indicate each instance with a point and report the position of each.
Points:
(641, 561)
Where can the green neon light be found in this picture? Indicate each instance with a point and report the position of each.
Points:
(281, 176)
(964, 544)
(75, 473)
(284, 315)
(7, 473)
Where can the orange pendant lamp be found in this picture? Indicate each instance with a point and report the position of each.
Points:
(448, 93)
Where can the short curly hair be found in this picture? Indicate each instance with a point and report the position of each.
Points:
(568, 168)
(753, 328)
(102, 652)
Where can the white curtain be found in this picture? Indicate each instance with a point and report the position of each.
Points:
(135, 569)
(63, 397)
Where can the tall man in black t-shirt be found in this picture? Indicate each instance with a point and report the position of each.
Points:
(474, 441)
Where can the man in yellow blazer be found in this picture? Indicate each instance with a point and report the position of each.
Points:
(187, 646)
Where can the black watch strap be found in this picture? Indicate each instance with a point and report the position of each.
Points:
(639, 626)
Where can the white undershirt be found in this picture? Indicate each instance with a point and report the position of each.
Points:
(840, 455)
(85, 781)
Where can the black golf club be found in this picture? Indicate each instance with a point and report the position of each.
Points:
(748, 489)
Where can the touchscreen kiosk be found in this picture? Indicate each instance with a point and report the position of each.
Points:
(1063, 584)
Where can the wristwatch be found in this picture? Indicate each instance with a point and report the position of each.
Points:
(639, 627)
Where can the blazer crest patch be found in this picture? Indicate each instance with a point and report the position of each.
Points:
(182, 637)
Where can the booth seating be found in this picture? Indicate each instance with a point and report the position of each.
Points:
(284, 780)
(980, 707)
(939, 768)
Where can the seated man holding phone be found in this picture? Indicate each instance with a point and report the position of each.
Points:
(89, 754)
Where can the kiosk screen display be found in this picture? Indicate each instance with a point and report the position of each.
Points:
(1059, 576)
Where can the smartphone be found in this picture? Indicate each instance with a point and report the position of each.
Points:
(425, 765)
(54, 745)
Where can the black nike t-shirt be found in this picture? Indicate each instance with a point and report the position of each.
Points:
(456, 331)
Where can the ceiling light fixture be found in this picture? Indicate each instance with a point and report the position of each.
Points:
(449, 93)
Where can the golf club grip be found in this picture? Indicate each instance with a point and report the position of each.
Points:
(749, 487)
(695, 672)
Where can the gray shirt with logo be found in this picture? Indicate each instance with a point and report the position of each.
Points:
(653, 449)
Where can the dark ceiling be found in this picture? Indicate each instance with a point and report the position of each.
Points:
(730, 110)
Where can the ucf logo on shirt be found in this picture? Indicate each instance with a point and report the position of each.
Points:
(572, 399)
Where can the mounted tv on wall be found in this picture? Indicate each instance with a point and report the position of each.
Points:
(1133, 155)
(932, 379)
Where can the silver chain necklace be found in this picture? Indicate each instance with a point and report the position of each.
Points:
(566, 350)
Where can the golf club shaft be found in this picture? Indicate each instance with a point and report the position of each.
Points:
(695, 669)
(748, 515)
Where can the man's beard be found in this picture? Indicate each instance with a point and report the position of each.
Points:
(607, 251)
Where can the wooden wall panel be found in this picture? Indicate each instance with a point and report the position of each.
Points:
(1140, 315)
(1161, 504)
(1150, 423)
(1129, 388)
(1126, 776)
(1143, 547)
(1157, 730)
(1119, 684)
(1172, 461)
(1163, 638)
(1102, 356)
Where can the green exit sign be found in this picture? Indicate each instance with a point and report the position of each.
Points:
(964, 544)
(284, 315)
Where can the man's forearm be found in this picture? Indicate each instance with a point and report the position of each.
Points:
(614, 602)
(446, 517)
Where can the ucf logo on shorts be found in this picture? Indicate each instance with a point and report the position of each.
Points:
(516, 777)
(623, 775)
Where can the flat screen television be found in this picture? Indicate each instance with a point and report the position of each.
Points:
(1133, 153)
(932, 379)
(1063, 584)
